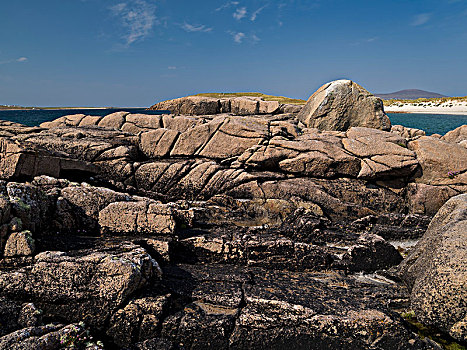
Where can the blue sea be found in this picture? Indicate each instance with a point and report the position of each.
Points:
(34, 117)
(431, 123)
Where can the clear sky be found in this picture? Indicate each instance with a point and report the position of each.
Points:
(137, 52)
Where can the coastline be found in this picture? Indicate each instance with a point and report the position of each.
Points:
(456, 108)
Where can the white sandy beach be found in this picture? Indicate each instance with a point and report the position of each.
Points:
(450, 107)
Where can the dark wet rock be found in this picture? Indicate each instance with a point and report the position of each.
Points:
(154, 344)
(254, 249)
(51, 336)
(15, 315)
(138, 321)
(200, 326)
(371, 253)
(393, 226)
(299, 311)
(342, 104)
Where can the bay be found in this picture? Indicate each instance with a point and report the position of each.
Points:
(431, 123)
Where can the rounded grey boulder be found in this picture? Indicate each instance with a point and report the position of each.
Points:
(436, 270)
(341, 104)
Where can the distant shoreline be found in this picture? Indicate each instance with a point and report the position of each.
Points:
(387, 110)
(60, 108)
(455, 107)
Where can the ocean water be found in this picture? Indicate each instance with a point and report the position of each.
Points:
(431, 123)
(34, 117)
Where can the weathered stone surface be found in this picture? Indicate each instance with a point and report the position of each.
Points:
(136, 218)
(135, 123)
(289, 108)
(267, 107)
(15, 315)
(239, 210)
(303, 314)
(158, 143)
(51, 336)
(457, 135)
(139, 320)
(113, 121)
(427, 199)
(198, 105)
(19, 244)
(436, 270)
(407, 133)
(244, 106)
(250, 249)
(96, 283)
(339, 199)
(442, 163)
(310, 154)
(69, 120)
(190, 105)
(78, 207)
(383, 154)
(30, 206)
(342, 104)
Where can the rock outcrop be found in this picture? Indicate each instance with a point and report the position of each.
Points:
(239, 229)
(436, 270)
(244, 105)
(341, 104)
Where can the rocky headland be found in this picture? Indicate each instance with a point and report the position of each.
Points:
(233, 223)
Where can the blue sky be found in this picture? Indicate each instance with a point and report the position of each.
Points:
(137, 52)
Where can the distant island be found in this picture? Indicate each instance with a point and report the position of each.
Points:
(280, 99)
(409, 94)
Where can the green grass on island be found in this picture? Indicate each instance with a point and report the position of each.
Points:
(280, 99)
(434, 101)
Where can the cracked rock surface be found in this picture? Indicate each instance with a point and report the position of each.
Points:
(227, 224)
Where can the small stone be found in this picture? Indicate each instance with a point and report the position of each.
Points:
(19, 244)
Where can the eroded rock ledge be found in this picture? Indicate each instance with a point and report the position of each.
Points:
(223, 231)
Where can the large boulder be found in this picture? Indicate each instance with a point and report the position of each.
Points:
(436, 270)
(342, 104)
(442, 162)
(458, 135)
